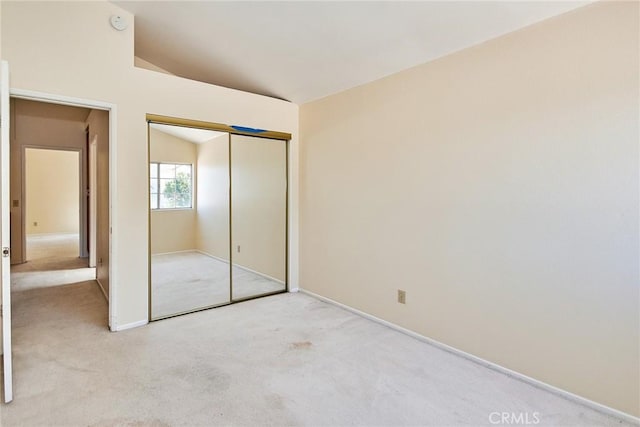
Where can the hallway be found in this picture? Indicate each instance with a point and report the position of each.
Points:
(52, 260)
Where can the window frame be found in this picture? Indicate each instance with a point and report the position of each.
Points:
(157, 178)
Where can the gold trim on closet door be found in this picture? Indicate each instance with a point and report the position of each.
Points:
(149, 313)
(155, 118)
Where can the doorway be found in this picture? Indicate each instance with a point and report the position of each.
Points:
(52, 199)
(19, 130)
(59, 195)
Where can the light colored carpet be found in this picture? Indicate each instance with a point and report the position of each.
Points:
(52, 260)
(287, 359)
(52, 246)
(187, 281)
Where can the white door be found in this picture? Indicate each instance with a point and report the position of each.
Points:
(4, 231)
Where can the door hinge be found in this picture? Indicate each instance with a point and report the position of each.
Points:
(5, 252)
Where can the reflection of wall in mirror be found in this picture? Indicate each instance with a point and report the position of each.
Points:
(212, 235)
(172, 230)
(258, 185)
(259, 201)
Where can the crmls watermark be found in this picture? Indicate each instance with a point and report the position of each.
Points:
(515, 418)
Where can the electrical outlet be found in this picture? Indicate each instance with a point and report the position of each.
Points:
(402, 297)
(35, 223)
(238, 248)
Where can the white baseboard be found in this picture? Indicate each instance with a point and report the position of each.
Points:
(175, 252)
(69, 233)
(293, 290)
(513, 374)
(240, 267)
(226, 261)
(273, 279)
(131, 325)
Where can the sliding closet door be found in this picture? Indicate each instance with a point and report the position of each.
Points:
(258, 216)
(189, 219)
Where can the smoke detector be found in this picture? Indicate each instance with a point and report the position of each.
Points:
(118, 22)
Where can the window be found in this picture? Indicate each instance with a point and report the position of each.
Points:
(171, 186)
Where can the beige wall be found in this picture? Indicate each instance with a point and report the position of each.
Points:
(258, 204)
(498, 186)
(52, 184)
(172, 230)
(42, 125)
(33, 40)
(212, 236)
(98, 124)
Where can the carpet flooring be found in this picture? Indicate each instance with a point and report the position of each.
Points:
(40, 246)
(52, 260)
(186, 281)
(287, 359)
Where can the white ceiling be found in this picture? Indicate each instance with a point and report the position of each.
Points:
(304, 50)
(197, 136)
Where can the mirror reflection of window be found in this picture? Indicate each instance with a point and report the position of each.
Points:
(171, 186)
(189, 219)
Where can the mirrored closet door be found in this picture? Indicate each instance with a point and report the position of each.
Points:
(217, 217)
(189, 219)
(258, 215)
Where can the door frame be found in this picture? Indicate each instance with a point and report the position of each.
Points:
(92, 215)
(82, 213)
(113, 223)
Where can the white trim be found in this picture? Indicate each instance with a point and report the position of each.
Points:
(59, 99)
(241, 267)
(113, 129)
(92, 214)
(7, 354)
(176, 252)
(52, 234)
(294, 290)
(293, 220)
(113, 234)
(131, 325)
(226, 261)
(172, 209)
(273, 279)
(222, 260)
(513, 374)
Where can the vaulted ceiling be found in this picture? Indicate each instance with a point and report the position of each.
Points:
(305, 50)
(194, 135)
